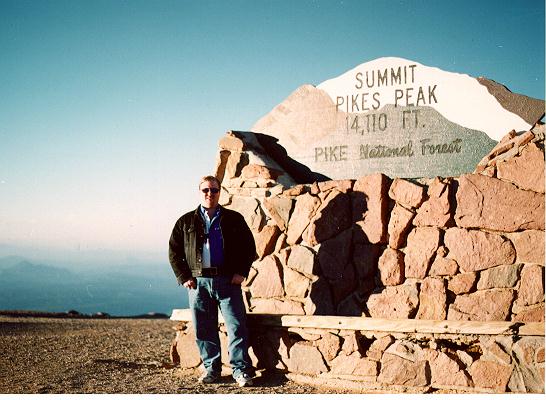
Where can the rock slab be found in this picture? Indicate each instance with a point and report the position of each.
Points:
(489, 203)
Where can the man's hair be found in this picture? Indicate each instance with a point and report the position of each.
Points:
(210, 178)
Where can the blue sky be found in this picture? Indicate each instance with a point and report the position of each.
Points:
(110, 111)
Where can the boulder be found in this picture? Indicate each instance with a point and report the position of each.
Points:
(399, 225)
(306, 359)
(483, 305)
(319, 301)
(407, 349)
(378, 347)
(528, 375)
(268, 281)
(302, 259)
(234, 165)
(259, 155)
(252, 273)
(351, 340)
(529, 350)
(370, 208)
(266, 240)
(509, 147)
(421, 248)
(332, 217)
(443, 266)
(334, 255)
(187, 350)
(394, 302)
(329, 346)
(506, 143)
(531, 289)
(354, 365)
(504, 276)
(490, 375)
(251, 211)
(282, 247)
(282, 253)
(279, 209)
(406, 193)
(465, 358)
(231, 142)
(477, 250)
(529, 314)
(296, 190)
(493, 351)
(540, 355)
(344, 186)
(399, 371)
(436, 211)
(221, 162)
(225, 197)
(305, 208)
(295, 284)
(350, 306)
(391, 267)
(432, 299)
(445, 371)
(255, 171)
(344, 284)
(462, 283)
(525, 171)
(276, 306)
(365, 367)
(365, 259)
(492, 204)
(529, 246)
(442, 251)
(275, 190)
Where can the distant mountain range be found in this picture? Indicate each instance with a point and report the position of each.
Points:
(118, 290)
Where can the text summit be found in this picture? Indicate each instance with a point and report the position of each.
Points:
(410, 96)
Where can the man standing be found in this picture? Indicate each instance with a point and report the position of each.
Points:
(211, 250)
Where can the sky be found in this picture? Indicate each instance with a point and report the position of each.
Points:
(110, 111)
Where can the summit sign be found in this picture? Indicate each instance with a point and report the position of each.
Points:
(397, 117)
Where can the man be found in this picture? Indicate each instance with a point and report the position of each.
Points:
(211, 250)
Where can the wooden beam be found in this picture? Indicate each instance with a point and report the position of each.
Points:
(387, 325)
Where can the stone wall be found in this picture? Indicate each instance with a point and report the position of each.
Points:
(468, 248)
(380, 361)
(462, 248)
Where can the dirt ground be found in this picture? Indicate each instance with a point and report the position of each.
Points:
(74, 355)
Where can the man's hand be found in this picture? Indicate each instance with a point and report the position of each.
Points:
(190, 284)
(237, 279)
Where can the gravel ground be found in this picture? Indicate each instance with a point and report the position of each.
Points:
(75, 355)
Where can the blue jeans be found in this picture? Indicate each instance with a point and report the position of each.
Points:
(204, 300)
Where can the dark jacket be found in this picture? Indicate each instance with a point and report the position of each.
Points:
(187, 238)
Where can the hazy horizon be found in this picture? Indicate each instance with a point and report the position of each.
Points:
(119, 290)
(83, 258)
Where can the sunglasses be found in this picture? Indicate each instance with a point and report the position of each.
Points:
(212, 190)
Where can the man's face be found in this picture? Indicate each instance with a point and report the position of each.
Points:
(209, 199)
